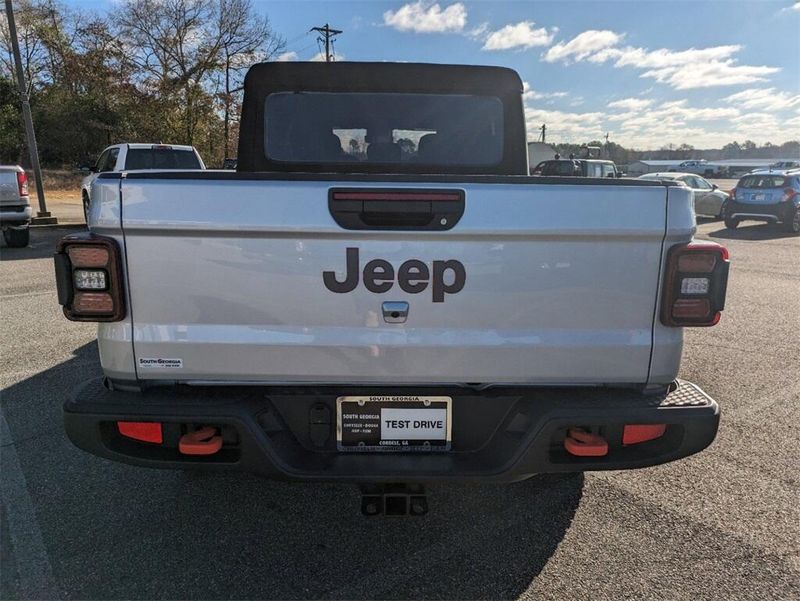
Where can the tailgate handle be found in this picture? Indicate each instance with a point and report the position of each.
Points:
(395, 209)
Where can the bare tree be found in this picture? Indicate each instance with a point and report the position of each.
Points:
(245, 39)
(32, 48)
(176, 44)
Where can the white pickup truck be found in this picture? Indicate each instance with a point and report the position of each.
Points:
(380, 293)
(132, 157)
(15, 206)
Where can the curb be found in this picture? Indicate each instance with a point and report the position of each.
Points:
(71, 226)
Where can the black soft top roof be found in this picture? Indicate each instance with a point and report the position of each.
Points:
(264, 79)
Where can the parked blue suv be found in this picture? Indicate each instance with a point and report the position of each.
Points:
(768, 195)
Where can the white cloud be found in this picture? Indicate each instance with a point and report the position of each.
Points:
(529, 94)
(478, 33)
(565, 126)
(518, 35)
(424, 16)
(583, 46)
(795, 7)
(644, 123)
(630, 104)
(680, 69)
(664, 58)
(710, 74)
(287, 56)
(319, 57)
(769, 99)
(676, 122)
(760, 127)
(659, 125)
(675, 113)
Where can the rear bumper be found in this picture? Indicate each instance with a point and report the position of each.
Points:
(16, 215)
(498, 435)
(782, 211)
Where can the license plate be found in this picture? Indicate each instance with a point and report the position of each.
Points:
(393, 423)
(758, 197)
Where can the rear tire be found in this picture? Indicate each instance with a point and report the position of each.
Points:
(793, 225)
(730, 223)
(17, 238)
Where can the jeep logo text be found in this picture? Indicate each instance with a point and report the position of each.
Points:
(413, 276)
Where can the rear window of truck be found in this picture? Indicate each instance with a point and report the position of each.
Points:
(161, 158)
(384, 128)
(557, 168)
(762, 181)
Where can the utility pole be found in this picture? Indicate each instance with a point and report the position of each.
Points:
(43, 216)
(327, 35)
(543, 128)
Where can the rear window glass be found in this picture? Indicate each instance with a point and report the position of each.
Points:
(161, 158)
(762, 181)
(428, 129)
(557, 168)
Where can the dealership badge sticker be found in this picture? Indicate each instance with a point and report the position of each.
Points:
(160, 363)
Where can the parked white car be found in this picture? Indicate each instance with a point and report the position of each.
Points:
(708, 198)
(130, 157)
(15, 206)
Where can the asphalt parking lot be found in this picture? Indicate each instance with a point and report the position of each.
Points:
(723, 524)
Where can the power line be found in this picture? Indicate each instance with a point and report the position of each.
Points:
(304, 48)
(297, 37)
(327, 35)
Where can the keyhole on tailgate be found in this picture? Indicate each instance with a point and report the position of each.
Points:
(395, 311)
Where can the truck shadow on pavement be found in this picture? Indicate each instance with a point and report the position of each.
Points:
(763, 231)
(117, 531)
(42, 246)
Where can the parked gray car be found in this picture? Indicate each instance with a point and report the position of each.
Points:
(708, 198)
(15, 206)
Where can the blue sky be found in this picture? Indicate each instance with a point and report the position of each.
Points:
(650, 73)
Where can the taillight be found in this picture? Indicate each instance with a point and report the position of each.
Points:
(89, 278)
(789, 194)
(22, 183)
(695, 284)
(733, 193)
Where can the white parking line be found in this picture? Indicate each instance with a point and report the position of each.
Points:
(36, 579)
(24, 294)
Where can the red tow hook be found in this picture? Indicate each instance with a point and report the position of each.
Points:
(204, 441)
(584, 444)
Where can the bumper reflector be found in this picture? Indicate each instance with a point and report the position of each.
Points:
(142, 431)
(583, 444)
(636, 433)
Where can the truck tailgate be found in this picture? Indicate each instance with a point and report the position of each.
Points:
(226, 285)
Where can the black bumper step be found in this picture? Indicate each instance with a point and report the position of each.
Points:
(499, 434)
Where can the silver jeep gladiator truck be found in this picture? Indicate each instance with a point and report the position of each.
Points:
(381, 294)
